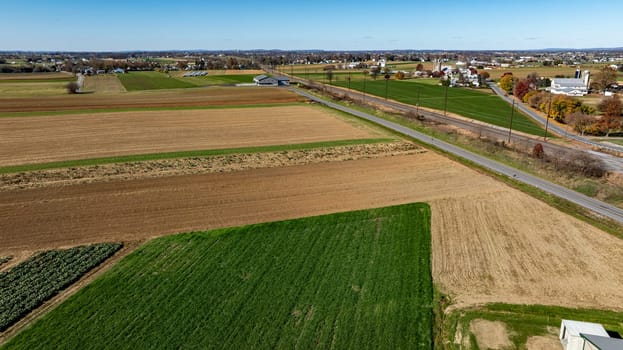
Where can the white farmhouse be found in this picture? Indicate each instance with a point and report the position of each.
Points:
(571, 86)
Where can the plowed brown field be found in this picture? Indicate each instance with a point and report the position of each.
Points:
(25, 140)
(171, 98)
(490, 242)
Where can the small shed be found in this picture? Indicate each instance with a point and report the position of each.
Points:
(595, 342)
(573, 333)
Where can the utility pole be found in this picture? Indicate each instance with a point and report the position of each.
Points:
(549, 107)
(417, 103)
(445, 103)
(364, 88)
(349, 80)
(510, 127)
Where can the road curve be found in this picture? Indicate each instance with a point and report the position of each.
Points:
(552, 126)
(594, 205)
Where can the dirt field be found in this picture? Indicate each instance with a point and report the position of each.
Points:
(543, 342)
(26, 140)
(490, 243)
(172, 98)
(35, 76)
(39, 89)
(103, 84)
(490, 335)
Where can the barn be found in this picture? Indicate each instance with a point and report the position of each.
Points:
(264, 80)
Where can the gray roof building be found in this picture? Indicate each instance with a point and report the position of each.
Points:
(603, 343)
(264, 80)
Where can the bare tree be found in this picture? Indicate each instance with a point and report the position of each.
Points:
(72, 87)
(580, 122)
(605, 77)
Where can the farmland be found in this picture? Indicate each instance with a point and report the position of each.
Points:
(350, 280)
(103, 84)
(136, 81)
(515, 253)
(36, 76)
(227, 79)
(35, 280)
(28, 140)
(521, 326)
(464, 102)
(181, 98)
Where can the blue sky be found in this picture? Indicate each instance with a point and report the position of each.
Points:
(331, 25)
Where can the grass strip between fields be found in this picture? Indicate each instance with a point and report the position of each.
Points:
(139, 109)
(186, 154)
(353, 280)
(524, 321)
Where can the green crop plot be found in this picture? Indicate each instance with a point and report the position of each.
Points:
(472, 104)
(37, 279)
(356, 280)
(228, 79)
(134, 81)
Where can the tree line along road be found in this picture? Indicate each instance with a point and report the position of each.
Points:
(594, 205)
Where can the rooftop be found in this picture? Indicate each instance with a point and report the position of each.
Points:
(604, 343)
(586, 328)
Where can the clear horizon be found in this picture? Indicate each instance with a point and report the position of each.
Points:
(344, 26)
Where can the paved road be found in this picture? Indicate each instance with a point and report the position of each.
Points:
(594, 205)
(552, 126)
(611, 162)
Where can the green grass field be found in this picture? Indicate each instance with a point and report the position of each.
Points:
(134, 81)
(465, 102)
(524, 321)
(229, 79)
(356, 280)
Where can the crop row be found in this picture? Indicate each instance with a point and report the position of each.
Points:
(5, 259)
(29, 284)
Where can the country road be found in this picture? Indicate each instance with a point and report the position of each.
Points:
(594, 205)
(611, 162)
(552, 126)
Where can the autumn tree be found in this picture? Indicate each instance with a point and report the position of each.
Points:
(399, 75)
(506, 83)
(374, 72)
(419, 67)
(605, 77)
(611, 108)
(580, 122)
(522, 87)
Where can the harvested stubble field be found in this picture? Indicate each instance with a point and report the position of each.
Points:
(151, 99)
(103, 84)
(491, 243)
(36, 76)
(29, 140)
